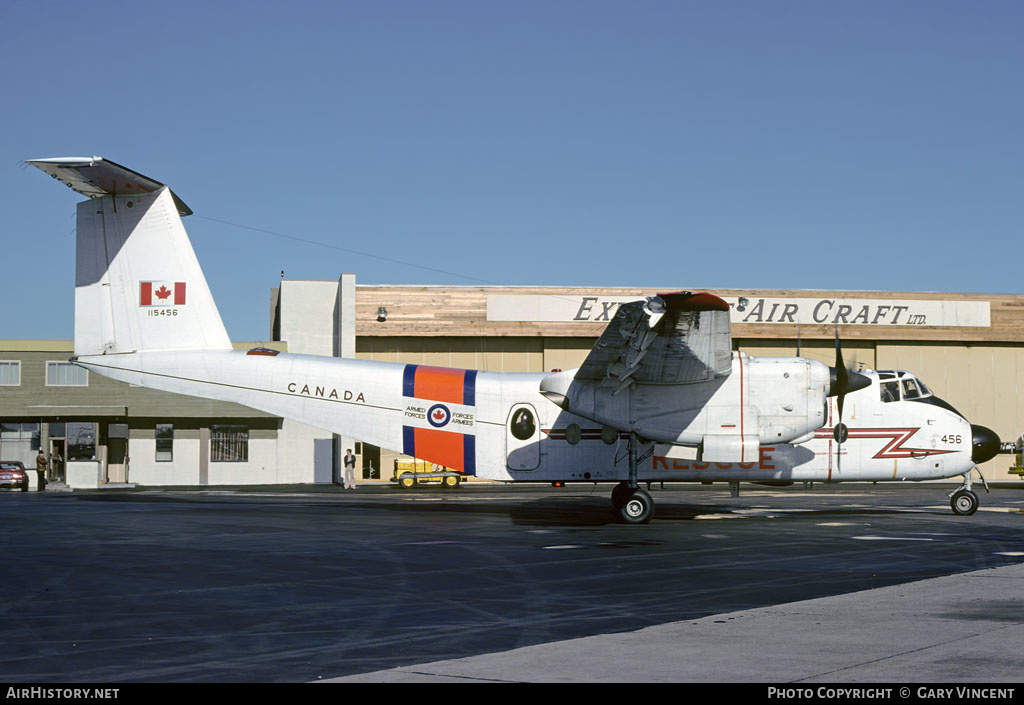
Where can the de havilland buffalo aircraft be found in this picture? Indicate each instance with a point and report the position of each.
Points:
(661, 397)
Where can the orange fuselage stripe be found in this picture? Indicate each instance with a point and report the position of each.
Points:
(440, 384)
(441, 447)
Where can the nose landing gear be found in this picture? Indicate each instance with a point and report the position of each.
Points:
(964, 501)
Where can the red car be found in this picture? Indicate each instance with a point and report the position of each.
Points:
(13, 475)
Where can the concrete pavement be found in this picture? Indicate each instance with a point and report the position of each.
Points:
(955, 629)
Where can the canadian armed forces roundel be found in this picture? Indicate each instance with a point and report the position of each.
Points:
(440, 416)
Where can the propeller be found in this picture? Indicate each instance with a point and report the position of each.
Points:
(843, 382)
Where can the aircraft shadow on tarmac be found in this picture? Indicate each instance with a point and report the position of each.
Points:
(574, 511)
(596, 511)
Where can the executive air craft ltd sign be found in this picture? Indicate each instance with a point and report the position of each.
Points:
(755, 310)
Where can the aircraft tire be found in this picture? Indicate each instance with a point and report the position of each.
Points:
(619, 495)
(964, 502)
(637, 507)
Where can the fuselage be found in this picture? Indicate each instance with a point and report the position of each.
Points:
(499, 426)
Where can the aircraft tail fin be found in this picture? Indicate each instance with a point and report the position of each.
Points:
(138, 284)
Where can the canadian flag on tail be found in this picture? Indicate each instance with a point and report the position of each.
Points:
(161, 293)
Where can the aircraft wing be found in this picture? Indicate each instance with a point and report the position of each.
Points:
(676, 338)
(96, 176)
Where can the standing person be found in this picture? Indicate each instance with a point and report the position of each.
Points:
(41, 466)
(350, 470)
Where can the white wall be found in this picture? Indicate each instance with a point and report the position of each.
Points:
(307, 316)
(295, 451)
(143, 469)
(261, 469)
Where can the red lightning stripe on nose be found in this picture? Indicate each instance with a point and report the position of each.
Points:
(894, 448)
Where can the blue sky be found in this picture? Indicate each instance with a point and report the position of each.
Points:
(698, 145)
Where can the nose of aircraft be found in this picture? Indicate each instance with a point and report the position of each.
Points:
(985, 444)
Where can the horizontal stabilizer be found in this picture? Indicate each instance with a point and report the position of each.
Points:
(95, 176)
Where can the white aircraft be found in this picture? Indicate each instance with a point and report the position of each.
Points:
(661, 396)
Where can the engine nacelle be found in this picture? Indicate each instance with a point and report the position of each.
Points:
(789, 394)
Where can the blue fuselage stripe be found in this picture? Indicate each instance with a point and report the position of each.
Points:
(409, 440)
(409, 381)
(469, 454)
(469, 388)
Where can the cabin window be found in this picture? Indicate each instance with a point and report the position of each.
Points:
(523, 425)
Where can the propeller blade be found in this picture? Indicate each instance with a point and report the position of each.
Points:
(839, 350)
(843, 381)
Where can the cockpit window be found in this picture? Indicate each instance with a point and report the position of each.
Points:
(911, 389)
(901, 381)
(890, 391)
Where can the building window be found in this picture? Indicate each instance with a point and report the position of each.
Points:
(81, 440)
(164, 442)
(66, 374)
(19, 441)
(229, 444)
(10, 373)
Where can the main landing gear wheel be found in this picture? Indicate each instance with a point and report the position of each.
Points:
(632, 504)
(964, 502)
(619, 495)
(635, 507)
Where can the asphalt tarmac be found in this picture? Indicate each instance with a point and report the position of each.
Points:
(501, 583)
